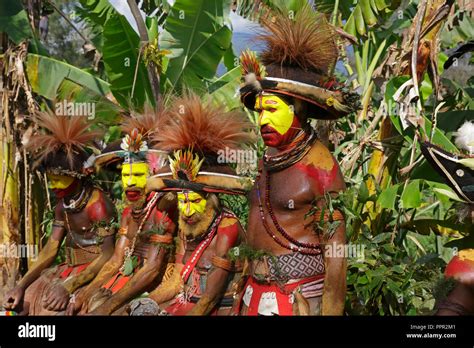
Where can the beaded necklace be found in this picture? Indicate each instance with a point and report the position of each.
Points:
(128, 252)
(297, 150)
(77, 204)
(293, 244)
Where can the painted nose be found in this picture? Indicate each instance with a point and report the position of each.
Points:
(187, 210)
(264, 118)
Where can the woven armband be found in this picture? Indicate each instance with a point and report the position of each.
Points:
(123, 231)
(220, 262)
(58, 223)
(161, 239)
(452, 306)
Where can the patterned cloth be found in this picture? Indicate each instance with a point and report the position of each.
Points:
(296, 266)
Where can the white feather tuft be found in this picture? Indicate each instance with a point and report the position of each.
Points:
(251, 79)
(465, 137)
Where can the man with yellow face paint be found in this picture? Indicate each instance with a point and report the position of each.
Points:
(204, 276)
(81, 208)
(277, 121)
(190, 205)
(145, 237)
(289, 214)
(134, 177)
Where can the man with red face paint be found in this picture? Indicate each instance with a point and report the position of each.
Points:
(201, 281)
(83, 217)
(146, 233)
(289, 219)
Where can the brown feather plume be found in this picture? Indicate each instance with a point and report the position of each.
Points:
(305, 41)
(70, 135)
(192, 123)
(147, 123)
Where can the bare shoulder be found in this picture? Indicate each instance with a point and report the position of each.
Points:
(99, 206)
(322, 170)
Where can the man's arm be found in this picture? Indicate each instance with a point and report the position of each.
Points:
(145, 276)
(139, 282)
(111, 267)
(326, 178)
(460, 301)
(171, 286)
(216, 285)
(45, 259)
(335, 279)
(73, 283)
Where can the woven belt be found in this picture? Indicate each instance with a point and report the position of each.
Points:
(76, 256)
(288, 266)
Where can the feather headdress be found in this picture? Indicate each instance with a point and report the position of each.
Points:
(147, 123)
(135, 146)
(299, 56)
(199, 136)
(204, 127)
(60, 146)
(305, 41)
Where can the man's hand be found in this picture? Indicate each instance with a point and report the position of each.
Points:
(56, 298)
(101, 310)
(13, 298)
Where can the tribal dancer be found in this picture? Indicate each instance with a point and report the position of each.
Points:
(290, 219)
(201, 281)
(147, 224)
(83, 216)
(458, 172)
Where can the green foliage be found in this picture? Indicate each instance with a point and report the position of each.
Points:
(402, 222)
(239, 205)
(196, 34)
(120, 54)
(38, 66)
(392, 279)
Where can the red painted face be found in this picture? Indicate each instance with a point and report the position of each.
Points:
(278, 123)
(272, 138)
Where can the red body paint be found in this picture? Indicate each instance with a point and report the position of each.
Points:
(274, 139)
(126, 212)
(97, 211)
(323, 178)
(231, 232)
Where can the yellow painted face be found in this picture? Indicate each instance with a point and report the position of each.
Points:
(59, 182)
(134, 175)
(190, 203)
(275, 112)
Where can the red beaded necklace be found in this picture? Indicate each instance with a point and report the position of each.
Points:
(303, 248)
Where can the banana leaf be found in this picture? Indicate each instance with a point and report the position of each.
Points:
(46, 74)
(196, 34)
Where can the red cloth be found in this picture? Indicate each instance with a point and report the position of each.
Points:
(117, 282)
(283, 294)
(72, 270)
